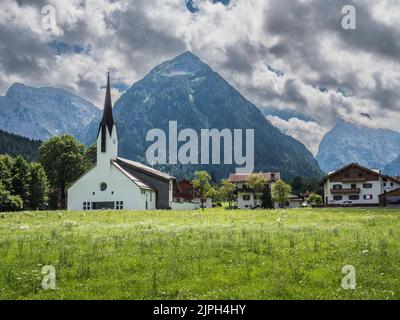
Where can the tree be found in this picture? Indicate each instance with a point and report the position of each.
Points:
(280, 192)
(297, 184)
(91, 154)
(39, 187)
(315, 199)
(9, 202)
(256, 184)
(202, 184)
(6, 163)
(21, 179)
(64, 161)
(227, 191)
(266, 200)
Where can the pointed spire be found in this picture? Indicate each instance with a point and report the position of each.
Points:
(108, 119)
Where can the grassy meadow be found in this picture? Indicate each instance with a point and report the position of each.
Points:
(215, 254)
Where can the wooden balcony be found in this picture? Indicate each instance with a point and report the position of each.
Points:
(346, 191)
(354, 179)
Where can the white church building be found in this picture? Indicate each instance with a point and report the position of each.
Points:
(117, 183)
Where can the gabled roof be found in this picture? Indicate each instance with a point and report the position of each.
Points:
(134, 179)
(389, 193)
(145, 169)
(107, 120)
(244, 177)
(356, 165)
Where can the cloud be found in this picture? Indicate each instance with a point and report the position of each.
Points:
(288, 54)
(308, 132)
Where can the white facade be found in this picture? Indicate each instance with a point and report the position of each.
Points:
(114, 183)
(109, 186)
(358, 191)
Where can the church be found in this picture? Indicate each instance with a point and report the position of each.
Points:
(117, 183)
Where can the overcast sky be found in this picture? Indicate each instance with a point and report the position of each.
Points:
(290, 54)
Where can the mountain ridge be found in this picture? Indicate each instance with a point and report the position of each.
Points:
(347, 142)
(187, 90)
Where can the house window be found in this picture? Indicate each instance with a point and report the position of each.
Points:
(143, 191)
(354, 197)
(368, 197)
(367, 185)
(151, 196)
(337, 198)
(391, 184)
(119, 205)
(384, 184)
(337, 186)
(246, 197)
(86, 206)
(354, 186)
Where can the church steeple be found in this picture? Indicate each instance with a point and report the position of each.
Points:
(107, 135)
(108, 120)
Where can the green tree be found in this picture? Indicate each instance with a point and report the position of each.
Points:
(21, 179)
(227, 191)
(256, 183)
(202, 184)
(39, 187)
(91, 154)
(64, 160)
(280, 192)
(6, 163)
(315, 199)
(9, 202)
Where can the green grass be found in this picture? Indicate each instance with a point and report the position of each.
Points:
(215, 254)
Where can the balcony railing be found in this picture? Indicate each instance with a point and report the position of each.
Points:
(354, 179)
(346, 191)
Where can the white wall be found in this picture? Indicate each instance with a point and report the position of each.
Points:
(245, 204)
(375, 191)
(122, 187)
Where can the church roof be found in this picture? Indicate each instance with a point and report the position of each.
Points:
(145, 169)
(107, 119)
(134, 179)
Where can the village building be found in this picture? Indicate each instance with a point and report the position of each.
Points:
(188, 193)
(244, 196)
(357, 185)
(293, 202)
(117, 183)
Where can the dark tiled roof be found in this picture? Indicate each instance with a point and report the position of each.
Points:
(145, 169)
(356, 165)
(132, 177)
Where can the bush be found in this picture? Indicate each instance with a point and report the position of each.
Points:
(315, 199)
(9, 202)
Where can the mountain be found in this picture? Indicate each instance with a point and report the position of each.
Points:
(14, 145)
(393, 168)
(188, 91)
(346, 143)
(40, 113)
